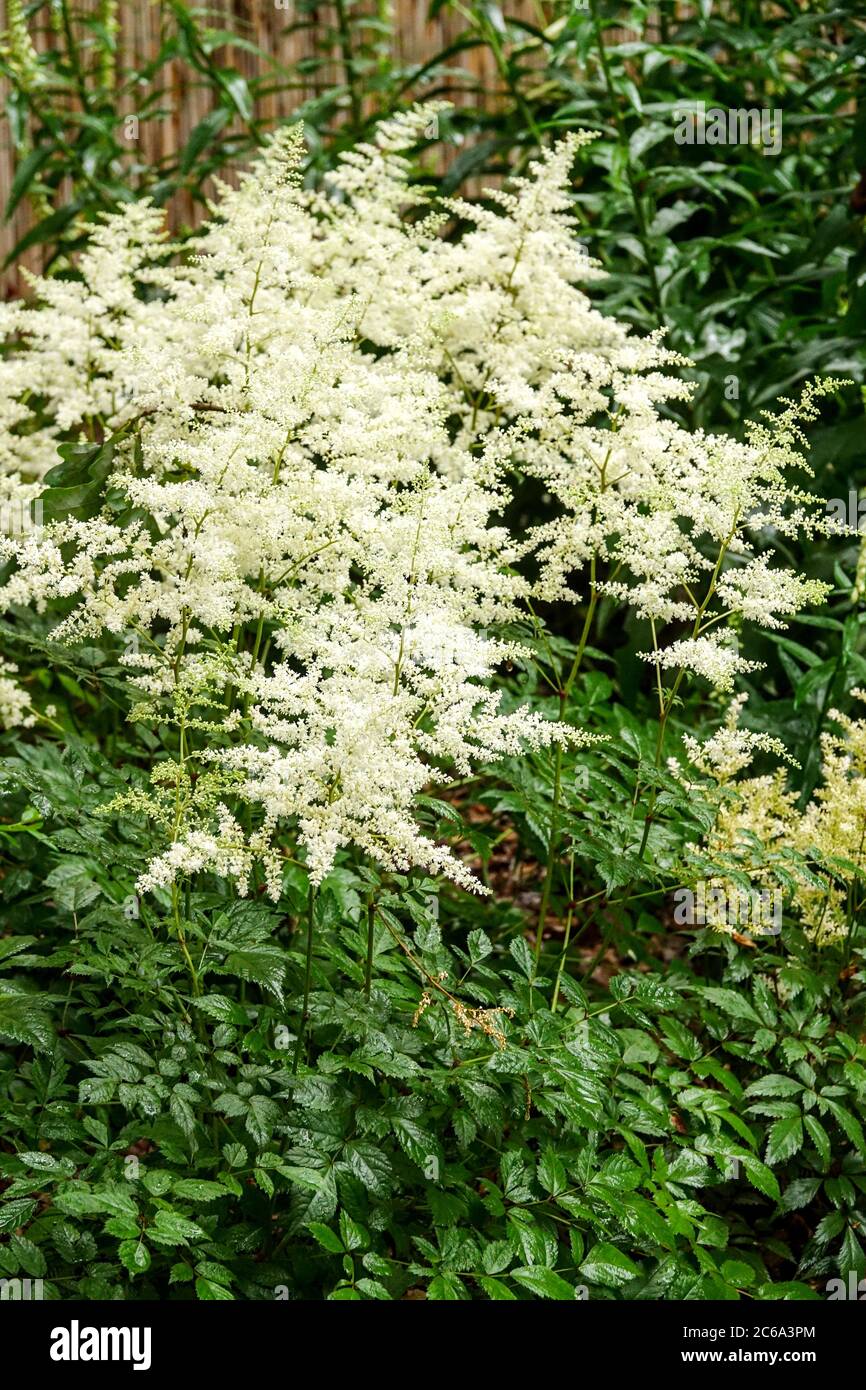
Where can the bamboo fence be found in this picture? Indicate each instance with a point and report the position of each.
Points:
(276, 28)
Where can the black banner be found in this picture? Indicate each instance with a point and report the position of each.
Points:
(85, 1340)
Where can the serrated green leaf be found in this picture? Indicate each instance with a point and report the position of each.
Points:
(608, 1266)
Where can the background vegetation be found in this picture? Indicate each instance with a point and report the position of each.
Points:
(675, 1113)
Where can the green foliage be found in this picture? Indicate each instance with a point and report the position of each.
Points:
(177, 1123)
(75, 120)
(388, 1090)
(751, 260)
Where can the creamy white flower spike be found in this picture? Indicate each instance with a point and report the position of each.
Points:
(313, 421)
(812, 858)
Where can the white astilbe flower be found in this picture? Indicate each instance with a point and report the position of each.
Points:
(312, 422)
(16, 710)
(71, 339)
(834, 825)
(814, 857)
(649, 514)
(310, 594)
(760, 594)
(711, 656)
(730, 750)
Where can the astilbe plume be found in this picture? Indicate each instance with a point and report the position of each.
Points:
(813, 857)
(310, 597)
(664, 520)
(313, 422)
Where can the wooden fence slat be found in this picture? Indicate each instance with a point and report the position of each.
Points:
(265, 23)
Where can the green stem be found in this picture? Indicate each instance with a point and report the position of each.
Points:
(308, 975)
(562, 959)
(178, 926)
(345, 33)
(551, 846)
(72, 54)
(553, 841)
(667, 702)
(640, 216)
(371, 928)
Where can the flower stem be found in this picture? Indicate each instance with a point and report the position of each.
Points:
(308, 975)
(552, 843)
(371, 928)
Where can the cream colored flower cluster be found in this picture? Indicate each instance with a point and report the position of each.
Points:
(314, 421)
(815, 858)
(661, 519)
